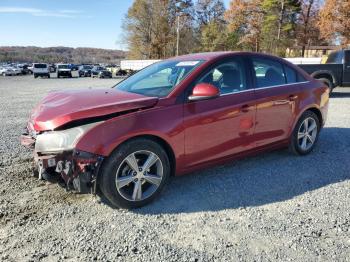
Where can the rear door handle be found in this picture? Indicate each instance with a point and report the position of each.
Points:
(293, 97)
(245, 108)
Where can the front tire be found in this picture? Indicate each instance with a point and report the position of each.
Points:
(305, 134)
(135, 173)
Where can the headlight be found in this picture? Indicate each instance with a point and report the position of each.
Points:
(58, 141)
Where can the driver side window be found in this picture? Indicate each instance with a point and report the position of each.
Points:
(229, 77)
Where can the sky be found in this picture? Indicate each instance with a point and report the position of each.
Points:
(73, 23)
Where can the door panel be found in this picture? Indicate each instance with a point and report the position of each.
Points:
(275, 100)
(219, 127)
(275, 113)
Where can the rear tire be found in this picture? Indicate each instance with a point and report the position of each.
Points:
(305, 134)
(126, 171)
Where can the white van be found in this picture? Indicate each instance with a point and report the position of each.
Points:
(40, 69)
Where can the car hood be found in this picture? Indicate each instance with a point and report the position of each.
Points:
(62, 107)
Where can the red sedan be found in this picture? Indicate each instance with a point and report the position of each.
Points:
(172, 118)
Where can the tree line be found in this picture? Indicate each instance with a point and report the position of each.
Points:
(156, 29)
(60, 54)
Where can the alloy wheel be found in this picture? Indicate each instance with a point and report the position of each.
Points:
(307, 133)
(139, 175)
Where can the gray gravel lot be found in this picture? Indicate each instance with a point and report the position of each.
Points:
(275, 206)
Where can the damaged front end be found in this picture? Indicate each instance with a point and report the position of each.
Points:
(56, 159)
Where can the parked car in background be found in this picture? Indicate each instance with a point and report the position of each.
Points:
(10, 70)
(7, 71)
(121, 72)
(112, 67)
(100, 72)
(16, 70)
(335, 72)
(128, 140)
(30, 68)
(130, 72)
(41, 69)
(52, 68)
(85, 70)
(24, 69)
(74, 67)
(64, 70)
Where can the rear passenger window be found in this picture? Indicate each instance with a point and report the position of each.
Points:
(301, 78)
(293, 76)
(268, 72)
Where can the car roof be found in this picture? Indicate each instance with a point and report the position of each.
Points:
(207, 56)
(203, 56)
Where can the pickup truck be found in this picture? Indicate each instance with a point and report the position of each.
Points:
(335, 72)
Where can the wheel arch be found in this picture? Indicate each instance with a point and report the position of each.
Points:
(317, 113)
(163, 143)
(312, 108)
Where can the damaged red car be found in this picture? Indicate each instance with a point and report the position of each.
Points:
(171, 118)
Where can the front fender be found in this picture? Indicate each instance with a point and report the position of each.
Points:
(165, 123)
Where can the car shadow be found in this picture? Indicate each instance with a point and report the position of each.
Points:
(256, 181)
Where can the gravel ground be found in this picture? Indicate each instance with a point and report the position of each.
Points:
(275, 206)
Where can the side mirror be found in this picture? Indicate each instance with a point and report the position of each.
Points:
(203, 91)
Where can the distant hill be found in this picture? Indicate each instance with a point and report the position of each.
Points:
(60, 54)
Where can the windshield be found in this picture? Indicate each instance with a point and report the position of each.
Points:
(158, 79)
(63, 66)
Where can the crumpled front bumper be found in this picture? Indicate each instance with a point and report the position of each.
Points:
(78, 170)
